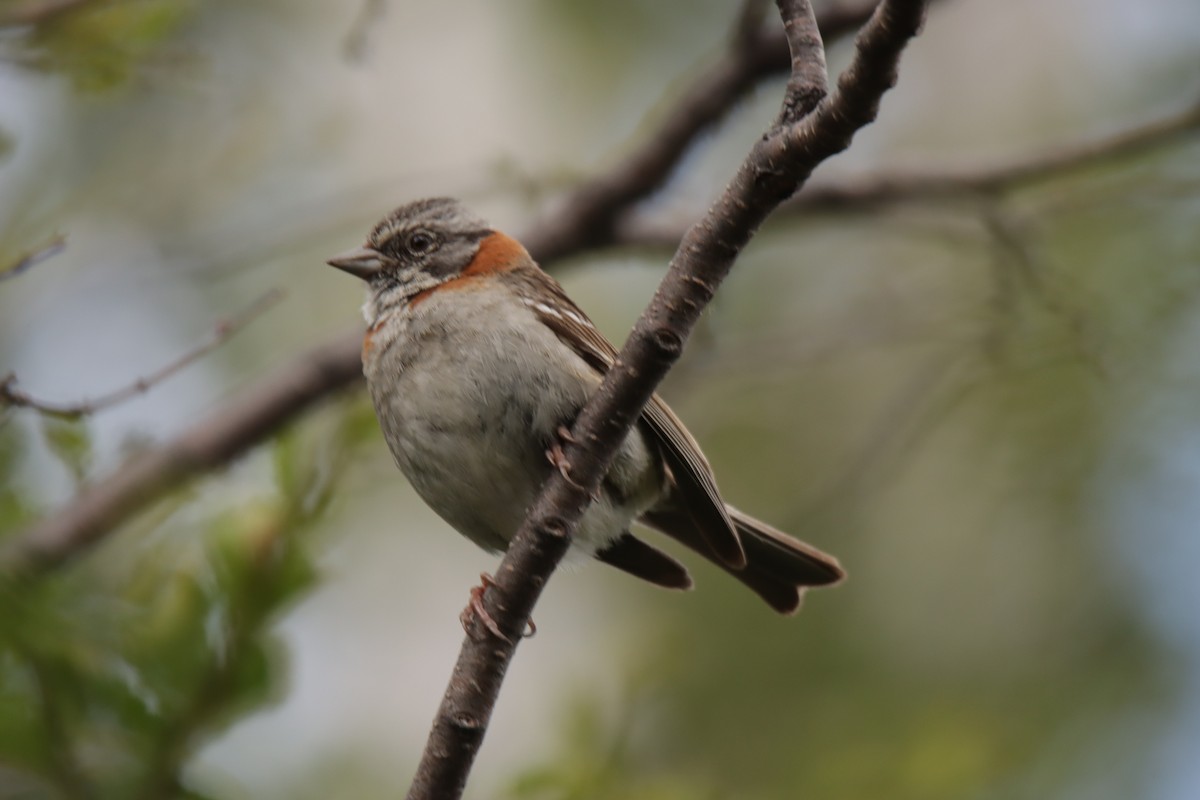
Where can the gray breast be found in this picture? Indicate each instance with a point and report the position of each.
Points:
(468, 397)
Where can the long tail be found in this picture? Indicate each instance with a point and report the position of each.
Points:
(779, 567)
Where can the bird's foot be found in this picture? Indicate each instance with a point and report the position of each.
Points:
(475, 610)
(558, 460)
(564, 433)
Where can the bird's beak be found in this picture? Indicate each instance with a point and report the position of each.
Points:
(361, 261)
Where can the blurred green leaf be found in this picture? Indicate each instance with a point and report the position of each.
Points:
(71, 441)
(15, 506)
(359, 425)
(99, 45)
(151, 653)
(288, 459)
(20, 744)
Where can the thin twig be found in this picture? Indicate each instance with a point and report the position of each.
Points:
(334, 365)
(31, 258)
(896, 428)
(354, 48)
(776, 166)
(221, 332)
(1028, 267)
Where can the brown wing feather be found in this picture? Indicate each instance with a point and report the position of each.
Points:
(695, 486)
(697, 494)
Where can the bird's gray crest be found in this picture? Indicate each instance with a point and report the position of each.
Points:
(441, 214)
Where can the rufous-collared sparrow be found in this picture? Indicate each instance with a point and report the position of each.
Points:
(477, 362)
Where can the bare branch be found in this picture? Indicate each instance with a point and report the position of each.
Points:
(221, 333)
(776, 166)
(315, 375)
(30, 259)
(1020, 262)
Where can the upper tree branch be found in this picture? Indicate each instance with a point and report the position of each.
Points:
(808, 83)
(587, 216)
(583, 221)
(776, 166)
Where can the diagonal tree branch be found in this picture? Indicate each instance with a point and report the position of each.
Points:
(31, 258)
(584, 220)
(777, 165)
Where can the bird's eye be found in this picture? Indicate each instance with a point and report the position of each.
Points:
(421, 243)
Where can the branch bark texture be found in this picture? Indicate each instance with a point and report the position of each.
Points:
(810, 128)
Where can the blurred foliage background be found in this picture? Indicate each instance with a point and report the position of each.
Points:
(986, 407)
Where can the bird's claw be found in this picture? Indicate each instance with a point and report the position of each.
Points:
(558, 460)
(475, 610)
